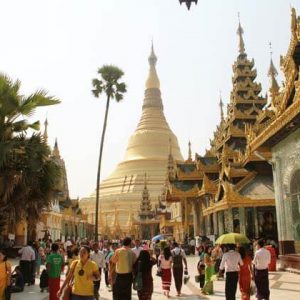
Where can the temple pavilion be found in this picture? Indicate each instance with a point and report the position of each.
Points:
(215, 193)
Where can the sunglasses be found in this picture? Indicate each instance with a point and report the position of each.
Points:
(81, 272)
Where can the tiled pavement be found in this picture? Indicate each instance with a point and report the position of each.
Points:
(284, 286)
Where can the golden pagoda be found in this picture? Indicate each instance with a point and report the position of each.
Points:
(147, 152)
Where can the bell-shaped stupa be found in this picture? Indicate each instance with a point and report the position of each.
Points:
(147, 152)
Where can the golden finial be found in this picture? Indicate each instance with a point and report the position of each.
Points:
(45, 135)
(55, 152)
(272, 73)
(240, 33)
(152, 81)
(221, 104)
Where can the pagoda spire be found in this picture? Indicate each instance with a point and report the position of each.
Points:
(240, 33)
(45, 134)
(190, 152)
(152, 82)
(55, 151)
(272, 73)
(146, 207)
(221, 104)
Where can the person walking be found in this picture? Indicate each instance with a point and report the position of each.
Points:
(144, 265)
(137, 248)
(231, 262)
(98, 257)
(84, 272)
(54, 265)
(108, 253)
(208, 288)
(27, 256)
(165, 264)
(261, 261)
(5, 274)
(201, 266)
(178, 257)
(124, 258)
(245, 274)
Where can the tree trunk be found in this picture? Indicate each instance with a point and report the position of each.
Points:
(99, 168)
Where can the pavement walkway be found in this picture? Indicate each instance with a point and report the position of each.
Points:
(283, 286)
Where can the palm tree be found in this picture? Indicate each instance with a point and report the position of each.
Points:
(27, 176)
(110, 85)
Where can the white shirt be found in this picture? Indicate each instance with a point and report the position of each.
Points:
(231, 261)
(262, 259)
(99, 259)
(177, 251)
(137, 251)
(27, 253)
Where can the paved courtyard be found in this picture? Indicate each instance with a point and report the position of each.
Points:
(284, 286)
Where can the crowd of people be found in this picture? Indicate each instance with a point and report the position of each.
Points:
(128, 264)
(238, 265)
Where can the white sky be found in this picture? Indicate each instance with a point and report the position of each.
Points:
(59, 45)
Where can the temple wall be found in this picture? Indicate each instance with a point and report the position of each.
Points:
(286, 159)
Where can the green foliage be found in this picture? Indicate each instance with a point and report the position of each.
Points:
(28, 177)
(109, 83)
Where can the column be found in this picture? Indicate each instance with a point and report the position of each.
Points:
(186, 221)
(255, 222)
(195, 216)
(221, 222)
(215, 220)
(242, 220)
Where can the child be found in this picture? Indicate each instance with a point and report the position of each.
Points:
(44, 281)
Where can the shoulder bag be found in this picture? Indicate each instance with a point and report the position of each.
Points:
(67, 292)
(138, 279)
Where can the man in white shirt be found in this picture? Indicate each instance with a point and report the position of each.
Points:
(98, 257)
(231, 262)
(179, 257)
(261, 261)
(27, 256)
(137, 248)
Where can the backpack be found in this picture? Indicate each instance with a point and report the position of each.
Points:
(177, 260)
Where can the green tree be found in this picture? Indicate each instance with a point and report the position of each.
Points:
(113, 89)
(27, 174)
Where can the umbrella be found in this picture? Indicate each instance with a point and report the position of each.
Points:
(158, 238)
(232, 238)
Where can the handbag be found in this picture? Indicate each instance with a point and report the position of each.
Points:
(138, 279)
(67, 292)
(252, 288)
(159, 271)
(7, 292)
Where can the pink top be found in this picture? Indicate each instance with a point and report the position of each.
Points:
(165, 264)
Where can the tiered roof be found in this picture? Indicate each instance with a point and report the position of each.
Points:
(219, 175)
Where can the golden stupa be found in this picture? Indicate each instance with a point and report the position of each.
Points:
(147, 152)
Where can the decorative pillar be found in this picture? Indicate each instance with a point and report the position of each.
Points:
(215, 220)
(242, 220)
(255, 217)
(186, 221)
(228, 220)
(221, 222)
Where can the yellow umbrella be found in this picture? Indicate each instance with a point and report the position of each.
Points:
(232, 238)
